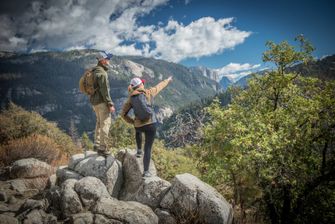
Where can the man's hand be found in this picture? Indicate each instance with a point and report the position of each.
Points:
(111, 109)
(170, 79)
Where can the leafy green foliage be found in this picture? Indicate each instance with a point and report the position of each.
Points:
(284, 55)
(121, 134)
(86, 143)
(275, 142)
(169, 163)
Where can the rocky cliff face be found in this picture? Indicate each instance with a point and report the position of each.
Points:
(47, 82)
(96, 189)
(209, 73)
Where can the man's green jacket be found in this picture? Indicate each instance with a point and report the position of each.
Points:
(101, 95)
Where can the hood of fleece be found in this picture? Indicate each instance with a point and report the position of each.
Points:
(133, 92)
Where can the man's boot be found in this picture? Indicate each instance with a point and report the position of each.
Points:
(96, 148)
(103, 151)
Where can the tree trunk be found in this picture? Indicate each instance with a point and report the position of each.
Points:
(286, 210)
(274, 218)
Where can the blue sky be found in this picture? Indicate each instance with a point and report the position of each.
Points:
(267, 20)
(228, 36)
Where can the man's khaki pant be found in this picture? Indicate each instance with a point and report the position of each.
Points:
(103, 124)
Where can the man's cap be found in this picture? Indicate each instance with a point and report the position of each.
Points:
(104, 55)
(136, 82)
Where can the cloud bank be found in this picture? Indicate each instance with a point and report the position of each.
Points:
(112, 26)
(235, 71)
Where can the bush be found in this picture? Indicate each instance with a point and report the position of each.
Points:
(86, 143)
(18, 123)
(34, 146)
(169, 163)
(121, 134)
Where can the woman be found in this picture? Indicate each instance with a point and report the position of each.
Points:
(148, 125)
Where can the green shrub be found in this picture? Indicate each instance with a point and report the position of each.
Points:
(169, 163)
(86, 143)
(121, 134)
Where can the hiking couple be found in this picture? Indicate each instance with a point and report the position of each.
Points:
(140, 100)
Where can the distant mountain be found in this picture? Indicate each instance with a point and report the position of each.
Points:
(225, 82)
(207, 72)
(323, 68)
(222, 79)
(242, 82)
(183, 127)
(47, 82)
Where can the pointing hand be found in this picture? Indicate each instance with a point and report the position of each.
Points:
(111, 109)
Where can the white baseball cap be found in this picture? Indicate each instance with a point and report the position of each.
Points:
(136, 82)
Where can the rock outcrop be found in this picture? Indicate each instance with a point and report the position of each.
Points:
(95, 189)
(24, 179)
(151, 191)
(125, 212)
(29, 175)
(190, 197)
(70, 201)
(108, 170)
(147, 191)
(30, 168)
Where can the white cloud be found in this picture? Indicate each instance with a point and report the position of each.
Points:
(64, 24)
(205, 36)
(236, 67)
(113, 26)
(235, 71)
(236, 76)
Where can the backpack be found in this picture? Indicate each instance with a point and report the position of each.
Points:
(142, 109)
(86, 82)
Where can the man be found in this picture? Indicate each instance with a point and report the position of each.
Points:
(148, 126)
(102, 106)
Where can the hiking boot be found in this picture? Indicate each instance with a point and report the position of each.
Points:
(147, 174)
(139, 153)
(96, 148)
(104, 153)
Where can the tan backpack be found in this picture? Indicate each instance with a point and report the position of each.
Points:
(86, 82)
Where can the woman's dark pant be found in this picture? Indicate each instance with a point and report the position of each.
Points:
(138, 140)
(149, 134)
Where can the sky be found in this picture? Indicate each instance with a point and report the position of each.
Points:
(226, 36)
